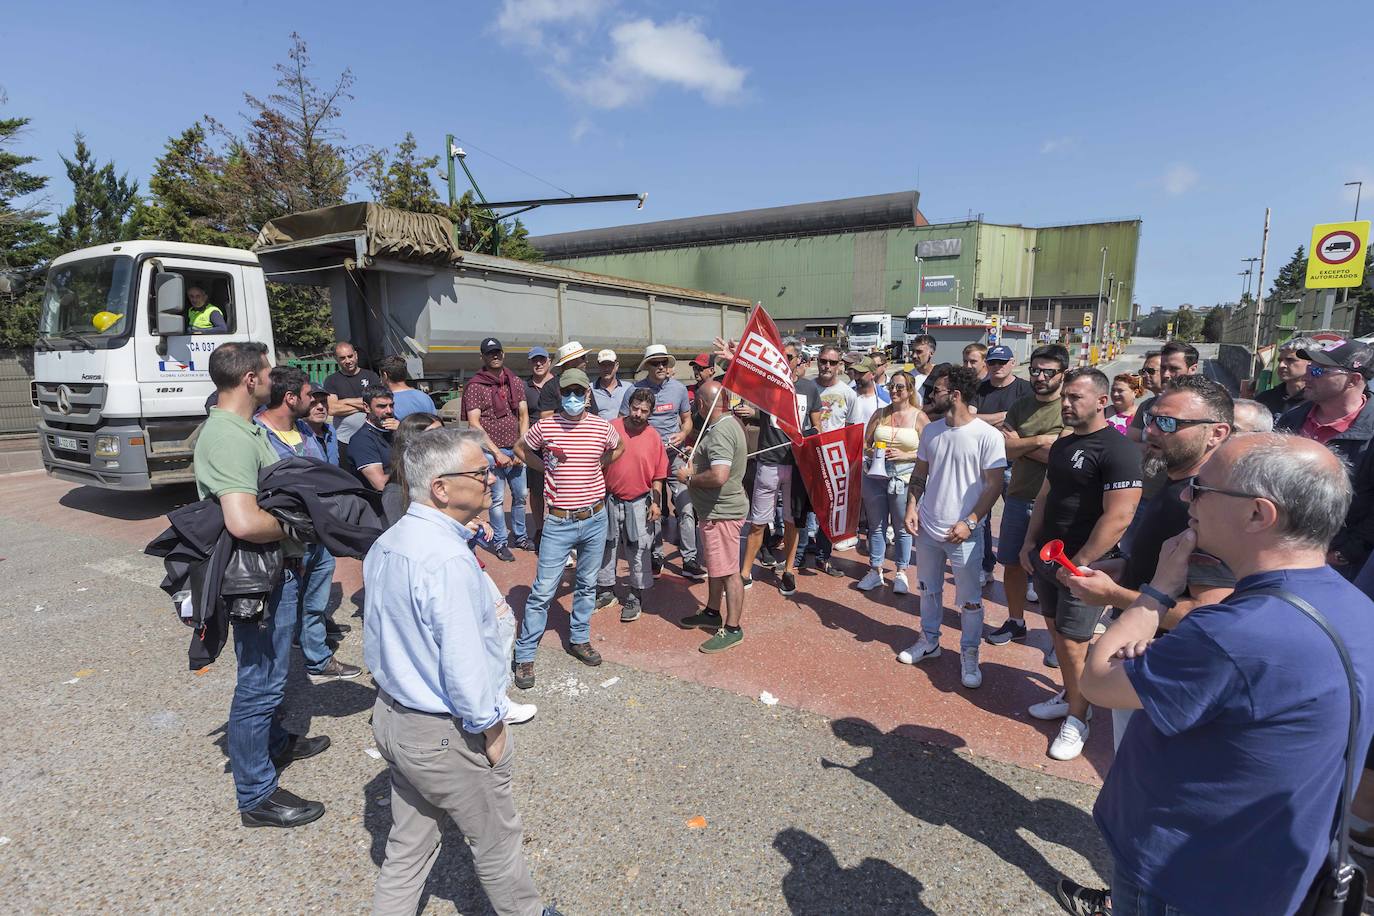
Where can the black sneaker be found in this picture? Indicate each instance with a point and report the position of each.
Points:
(336, 630)
(1012, 629)
(693, 570)
(748, 581)
(1082, 901)
(630, 608)
(829, 568)
(789, 584)
(766, 558)
(707, 620)
(334, 670)
(524, 543)
(504, 555)
(604, 600)
(657, 562)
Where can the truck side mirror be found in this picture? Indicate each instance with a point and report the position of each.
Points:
(171, 304)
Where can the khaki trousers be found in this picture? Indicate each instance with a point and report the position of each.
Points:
(437, 768)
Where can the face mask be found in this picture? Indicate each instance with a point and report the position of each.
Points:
(574, 404)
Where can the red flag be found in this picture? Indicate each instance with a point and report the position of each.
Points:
(761, 375)
(831, 469)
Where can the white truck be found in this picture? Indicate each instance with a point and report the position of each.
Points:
(870, 331)
(918, 319)
(121, 381)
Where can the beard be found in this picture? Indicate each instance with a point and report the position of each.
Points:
(1154, 465)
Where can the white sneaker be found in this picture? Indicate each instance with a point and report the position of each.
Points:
(899, 584)
(571, 561)
(847, 544)
(1069, 744)
(520, 713)
(1051, 659)
(970, 673)
(891, 536)
(919, 651)
(1030, 593)
(1056, 707)
(871, 581)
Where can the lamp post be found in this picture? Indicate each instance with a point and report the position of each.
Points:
(1359, 186)
(1097, 316)
(1030, 289)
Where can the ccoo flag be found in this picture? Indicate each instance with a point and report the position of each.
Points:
(830, 465)
(761, 375)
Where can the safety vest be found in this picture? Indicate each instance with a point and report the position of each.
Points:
(200, 318)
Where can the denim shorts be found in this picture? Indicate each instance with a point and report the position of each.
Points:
(1073, 619)
(1016, 515)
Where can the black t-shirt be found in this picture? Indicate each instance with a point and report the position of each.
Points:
(370, 445)
(1159, 518)
(771, 436)
(1081, 470)
(999, 400)
(351, 386)
(1278, 401)
(540, 399)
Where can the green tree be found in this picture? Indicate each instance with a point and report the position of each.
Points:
(189, 202)
(26, 241)
(101, 201)
(1214, 324)
(1188, 325)
(1290, 279)
(405, 184)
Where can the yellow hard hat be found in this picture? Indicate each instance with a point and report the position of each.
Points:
(103, 321)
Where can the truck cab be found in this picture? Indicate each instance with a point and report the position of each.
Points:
(121, 377)
(868, 332)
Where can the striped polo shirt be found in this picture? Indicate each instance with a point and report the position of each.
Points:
(572, 450)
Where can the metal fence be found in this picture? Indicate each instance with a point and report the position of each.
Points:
(17, 414)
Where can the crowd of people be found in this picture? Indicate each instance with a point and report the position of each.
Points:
(1187, 518)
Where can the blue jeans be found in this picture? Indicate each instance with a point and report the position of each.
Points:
(966, 560)
(1130, 899)
(561, 537)
(512, 475)
(885, 504)
(319, 579)
(255, 733)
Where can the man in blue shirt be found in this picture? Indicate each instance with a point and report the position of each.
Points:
(369, 451)
(435, 649)
(1224, 791)
(407, 400)
(672, 417)
(608, 392)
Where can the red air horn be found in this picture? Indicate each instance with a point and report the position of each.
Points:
(1053, 552)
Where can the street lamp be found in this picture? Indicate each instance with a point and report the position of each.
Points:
(1030, 290)
(1097, 316)
(1359, 186)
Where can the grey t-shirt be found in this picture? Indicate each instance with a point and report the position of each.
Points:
(670, 403)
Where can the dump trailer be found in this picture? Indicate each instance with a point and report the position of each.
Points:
(121, 371)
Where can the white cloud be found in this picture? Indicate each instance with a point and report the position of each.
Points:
(1058, 145)
(525, 21)
(583, 127)
(1180, 179)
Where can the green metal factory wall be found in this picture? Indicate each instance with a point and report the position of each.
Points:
(1070, 260)
(961, 268)
(1004, 261)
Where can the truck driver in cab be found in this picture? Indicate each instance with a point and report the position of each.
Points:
(203, 316)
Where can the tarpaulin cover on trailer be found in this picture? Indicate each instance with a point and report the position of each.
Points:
(391, 233)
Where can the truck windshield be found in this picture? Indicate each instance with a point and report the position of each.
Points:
(917, 325)
(89, 300)
(863, 329)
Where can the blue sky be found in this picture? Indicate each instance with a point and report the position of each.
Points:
(1193, 116)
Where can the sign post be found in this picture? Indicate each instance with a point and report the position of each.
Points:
(1336, 261)
(1083, 359)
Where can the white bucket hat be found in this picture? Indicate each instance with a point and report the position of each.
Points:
(569, 351)
(656, 351)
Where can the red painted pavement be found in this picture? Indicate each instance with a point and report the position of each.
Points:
(829, 648)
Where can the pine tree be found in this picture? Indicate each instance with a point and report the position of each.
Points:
(405, 184)
(101, 201)
(1289, 281)
(188, 198)
(1214, 324)
(25, 240)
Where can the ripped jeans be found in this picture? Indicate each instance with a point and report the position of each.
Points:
(966, 560)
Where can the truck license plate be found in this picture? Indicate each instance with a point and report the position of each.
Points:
(66, 442)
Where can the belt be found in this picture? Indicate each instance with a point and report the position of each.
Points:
(578, 515)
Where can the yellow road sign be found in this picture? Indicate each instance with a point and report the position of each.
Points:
(1087, 319)
(1336, 257)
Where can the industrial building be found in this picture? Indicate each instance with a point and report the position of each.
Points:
(830, 259)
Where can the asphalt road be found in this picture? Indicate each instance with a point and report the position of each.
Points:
(117, 797)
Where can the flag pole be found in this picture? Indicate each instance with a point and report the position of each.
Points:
(714, 401)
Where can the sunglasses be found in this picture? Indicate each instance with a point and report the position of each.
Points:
(538, 359)
(483, 475)
(898, 388)
(1315, 371)
(828, 362)
(1194, 489)
(1045, 373)
(1148, 371)
(579, 391)
(1171, 424)
(660, 364)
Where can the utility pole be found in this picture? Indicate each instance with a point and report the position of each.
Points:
(1097, 315)
(1001, 276)
(1259, 304)
(1030, 290)
(920, 282)
(1359, 186)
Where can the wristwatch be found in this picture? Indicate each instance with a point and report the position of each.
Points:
(1156, 594)
(971, 521)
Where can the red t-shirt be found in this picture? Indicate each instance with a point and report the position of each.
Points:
(572, 451)
(644, 460)
(1325, 432)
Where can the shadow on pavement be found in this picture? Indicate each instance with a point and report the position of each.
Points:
(452, 876)
(133, 506)
(933, 783)
(819, 885)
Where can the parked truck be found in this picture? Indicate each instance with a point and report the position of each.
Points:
(870, 331)
(121, 378)
(918, 320)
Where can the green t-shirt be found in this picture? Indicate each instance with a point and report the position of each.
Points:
(230, 452)
(1031, 417)
(723, 443)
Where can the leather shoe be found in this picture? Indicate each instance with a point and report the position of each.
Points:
(282, 809)
(335, 629)
(583, 652)
(299, 747)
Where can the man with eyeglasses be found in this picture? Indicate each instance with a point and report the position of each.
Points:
(672, 419)
(1030, 427)
(1188, 423)
(1090, 494)
(434, 646)
(572, 448)
(1244, 705)
(1292, 372)
(1176, 359)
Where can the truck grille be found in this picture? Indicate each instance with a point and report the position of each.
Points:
(70, 404)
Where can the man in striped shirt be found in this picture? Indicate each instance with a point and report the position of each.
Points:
(571, 447)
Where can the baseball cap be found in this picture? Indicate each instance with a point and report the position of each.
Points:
(703, 360)
(606, 356)
(863, 365)
(851, 358)
(537, 351)
(491, 345)
(1000, 354)
(1351, 355)
(572, 377)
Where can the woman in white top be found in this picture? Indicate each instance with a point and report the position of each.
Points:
(894, 432)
